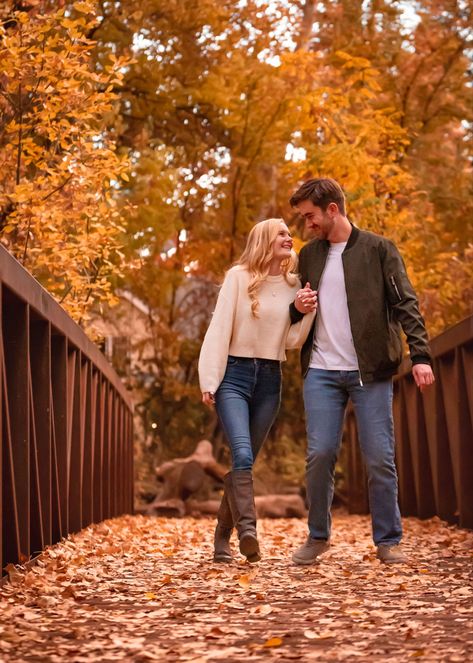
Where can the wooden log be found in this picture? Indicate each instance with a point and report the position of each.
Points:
(182, 477)
(203, 455)
(267, 506)
(198, 508)
(172, 508)
(280, 506)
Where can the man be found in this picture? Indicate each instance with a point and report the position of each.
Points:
(354, 348)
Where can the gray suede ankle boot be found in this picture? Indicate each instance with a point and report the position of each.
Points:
(223, 531)
(242, 504)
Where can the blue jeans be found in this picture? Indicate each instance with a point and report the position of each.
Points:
(326, 394)
(247, 403)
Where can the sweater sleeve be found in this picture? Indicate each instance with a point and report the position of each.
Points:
(214, 350)
(299, 331)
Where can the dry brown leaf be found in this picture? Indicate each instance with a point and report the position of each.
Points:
(244, 581)
(273, 642)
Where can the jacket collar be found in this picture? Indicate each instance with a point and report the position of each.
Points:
(355, 232)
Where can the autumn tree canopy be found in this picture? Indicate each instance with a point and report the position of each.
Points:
(141, 140)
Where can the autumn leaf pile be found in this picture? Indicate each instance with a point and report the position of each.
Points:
(144, 589)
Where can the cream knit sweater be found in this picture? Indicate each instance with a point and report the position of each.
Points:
(233, 329)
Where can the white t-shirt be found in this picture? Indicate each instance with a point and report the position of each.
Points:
(333, 343)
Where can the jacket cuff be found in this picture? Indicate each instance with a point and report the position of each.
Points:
(294, 314)
(421, 359)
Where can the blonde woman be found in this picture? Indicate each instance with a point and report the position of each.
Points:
(240, 367)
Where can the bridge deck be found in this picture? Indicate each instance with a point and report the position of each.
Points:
(142, 589)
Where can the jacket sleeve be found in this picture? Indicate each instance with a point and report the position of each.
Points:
(403, 302)
(214, 350)
(294, 314)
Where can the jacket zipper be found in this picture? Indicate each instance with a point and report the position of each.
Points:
(394, 285)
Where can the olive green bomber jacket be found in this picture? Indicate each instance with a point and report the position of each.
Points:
(381, 301)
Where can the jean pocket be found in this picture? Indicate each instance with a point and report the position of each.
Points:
(231, 361)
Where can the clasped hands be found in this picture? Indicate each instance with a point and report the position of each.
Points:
(306, 299)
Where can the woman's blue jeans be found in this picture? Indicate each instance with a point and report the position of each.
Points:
(247, 403)
(326, 394)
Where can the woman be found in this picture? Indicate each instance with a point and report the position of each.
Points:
(240, 368)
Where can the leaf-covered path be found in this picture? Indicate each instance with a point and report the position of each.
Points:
(142, 589)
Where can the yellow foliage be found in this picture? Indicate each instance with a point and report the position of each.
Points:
(59, 166)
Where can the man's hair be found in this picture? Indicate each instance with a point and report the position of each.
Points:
(321, 192)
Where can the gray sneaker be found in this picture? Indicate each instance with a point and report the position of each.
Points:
(309, 551)
(391, 554)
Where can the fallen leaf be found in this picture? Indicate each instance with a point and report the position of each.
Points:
(244, 581)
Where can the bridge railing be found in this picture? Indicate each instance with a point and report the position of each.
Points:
(66, 423)
(434, 436)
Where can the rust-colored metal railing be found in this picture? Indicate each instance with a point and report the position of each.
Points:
(434, 436)
(66, 423)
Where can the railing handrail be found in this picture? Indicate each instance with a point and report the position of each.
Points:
(19, 280)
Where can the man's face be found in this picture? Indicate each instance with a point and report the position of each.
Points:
(320, 224)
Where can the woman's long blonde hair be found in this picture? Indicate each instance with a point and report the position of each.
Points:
(257, 256)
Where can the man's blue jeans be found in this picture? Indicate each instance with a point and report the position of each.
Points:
(326, 394)
(247, 403)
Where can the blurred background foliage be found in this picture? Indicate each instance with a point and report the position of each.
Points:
(208, 115)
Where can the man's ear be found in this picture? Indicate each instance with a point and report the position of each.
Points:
(332, 208)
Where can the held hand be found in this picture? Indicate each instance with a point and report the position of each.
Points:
(208, 398)
(306, 299)
(423, 375)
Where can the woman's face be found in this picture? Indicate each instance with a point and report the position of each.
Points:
(282, 245)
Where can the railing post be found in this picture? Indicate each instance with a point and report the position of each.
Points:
(40, 404)
(75, 441)
(87, 471)
(357, 497)
(16, 353)
(59, 420)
